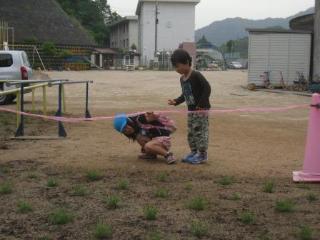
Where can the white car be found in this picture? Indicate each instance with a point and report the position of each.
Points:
(14, 65)
(235, 65)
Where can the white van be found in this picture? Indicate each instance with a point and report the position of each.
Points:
(14, 65)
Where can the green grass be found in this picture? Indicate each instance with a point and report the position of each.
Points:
(311, 197)
(162, 177)
(94, 175)
(33, 176)
(123, 184)
(5, 170)
(226, 181)
(155, 236)
(235, 197)
(102, 231)
(247, 217)
(24, 207)
(197, 204)
(284, 206)
(5, 188)
(79, 191)
(52, 183)
(60, 217)
(199, 229)
(268, 187)
(161, 193)
(189, 186)
(305, 233)
(150, 212)
(112, 202)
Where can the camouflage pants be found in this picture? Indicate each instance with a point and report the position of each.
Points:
(198, 131)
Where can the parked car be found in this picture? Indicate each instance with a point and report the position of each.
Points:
(213, 65)
(14, 65)
(235, 65)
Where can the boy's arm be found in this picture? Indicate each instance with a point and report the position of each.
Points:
(179, 100)
(206, 91)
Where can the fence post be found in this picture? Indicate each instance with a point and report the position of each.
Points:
(87, 115)
(61, 130)
(33, 103)
(20, 130)
(44, 99)
(64, 108)
(18, 108)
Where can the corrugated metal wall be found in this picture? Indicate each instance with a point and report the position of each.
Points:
(278, 53)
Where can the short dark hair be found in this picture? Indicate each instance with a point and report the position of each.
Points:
(181, 56)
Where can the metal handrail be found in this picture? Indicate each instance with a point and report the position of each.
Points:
(15, 82)
(18, 90)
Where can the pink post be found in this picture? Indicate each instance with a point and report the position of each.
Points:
(311, 166)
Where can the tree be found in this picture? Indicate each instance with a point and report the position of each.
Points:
(133, 47)
(239, 45)
(95, 16)
(230, 46)
(204, 43)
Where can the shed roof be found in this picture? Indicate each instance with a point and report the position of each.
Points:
(167, 1)
(106, 51)
(266, 31)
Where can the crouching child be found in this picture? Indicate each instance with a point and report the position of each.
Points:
(151, 131)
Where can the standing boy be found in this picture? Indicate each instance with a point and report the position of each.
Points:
(196, 92)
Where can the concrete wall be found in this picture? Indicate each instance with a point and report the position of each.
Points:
(275, 52)
(124, 34)
(176, 25)
(133, 33)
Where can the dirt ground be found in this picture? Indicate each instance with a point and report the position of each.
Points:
(246, 151)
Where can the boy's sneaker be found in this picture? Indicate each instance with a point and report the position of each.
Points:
(199, 158)
(189, 157)
(170, 158)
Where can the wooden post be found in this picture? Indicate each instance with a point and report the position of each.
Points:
(44, 99)
(64, 108)
(33, 100)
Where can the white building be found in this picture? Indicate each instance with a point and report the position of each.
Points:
(278, 52)
(124, 33)
(175, 25)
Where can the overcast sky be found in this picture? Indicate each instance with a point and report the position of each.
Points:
(212, 10)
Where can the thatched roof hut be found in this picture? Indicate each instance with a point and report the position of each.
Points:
(43, 20)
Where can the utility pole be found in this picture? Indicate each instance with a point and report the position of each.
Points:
(156, 27)
(316, 40)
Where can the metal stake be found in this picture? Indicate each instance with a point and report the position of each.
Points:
(87, 115)
(62, 131)
(20, 130)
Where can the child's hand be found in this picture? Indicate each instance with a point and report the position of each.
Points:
(150, 116)
(172, 102)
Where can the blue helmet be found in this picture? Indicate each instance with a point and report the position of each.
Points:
(120, 122)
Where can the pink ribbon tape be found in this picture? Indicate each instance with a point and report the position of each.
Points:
(213, 111)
